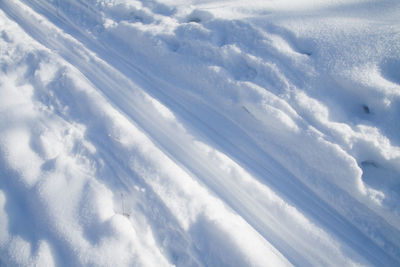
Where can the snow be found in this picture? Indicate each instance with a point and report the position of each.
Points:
(199, 133)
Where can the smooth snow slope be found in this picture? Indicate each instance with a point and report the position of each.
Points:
(233, 133)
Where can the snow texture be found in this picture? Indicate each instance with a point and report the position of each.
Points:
(199, 133)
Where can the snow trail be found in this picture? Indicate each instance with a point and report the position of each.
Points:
(206, 168)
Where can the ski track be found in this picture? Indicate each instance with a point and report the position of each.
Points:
(127, 87)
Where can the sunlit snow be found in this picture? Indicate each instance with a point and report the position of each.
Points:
(199, 133)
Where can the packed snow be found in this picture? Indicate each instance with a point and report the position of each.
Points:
(199, 133)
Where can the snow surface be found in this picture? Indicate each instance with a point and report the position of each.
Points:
(199, 133)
